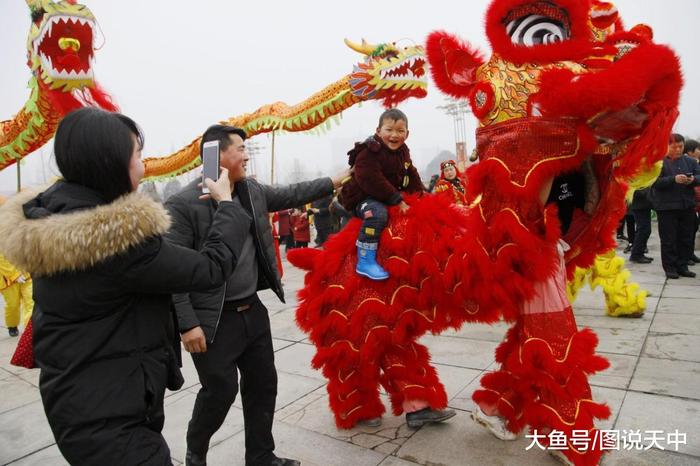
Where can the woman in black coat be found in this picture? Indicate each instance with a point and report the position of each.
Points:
(104, 334)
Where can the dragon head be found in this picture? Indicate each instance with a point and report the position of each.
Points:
(566, 91)
(388, 73)
(60, 46)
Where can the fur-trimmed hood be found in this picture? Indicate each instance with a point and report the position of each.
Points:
(66, 229)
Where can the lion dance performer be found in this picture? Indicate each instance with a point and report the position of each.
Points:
(567, 91)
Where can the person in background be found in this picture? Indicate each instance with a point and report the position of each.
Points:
(323, 222)
(673, 198)
(692, 149)
(451, 182)
(301, 230)
(16, 289)
(285, 229)
(641, 210)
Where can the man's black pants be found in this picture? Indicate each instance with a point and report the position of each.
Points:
(677, 231)
(642, 223)
(242, 343)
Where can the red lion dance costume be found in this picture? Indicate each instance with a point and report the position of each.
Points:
(566, 87)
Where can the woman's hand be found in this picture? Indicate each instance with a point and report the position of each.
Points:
(219, 190)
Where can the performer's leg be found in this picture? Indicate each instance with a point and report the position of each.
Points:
(353, 389)
(410, 380)
(12, 298)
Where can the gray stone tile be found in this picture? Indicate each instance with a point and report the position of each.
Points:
(679, 305)
(290, 387)
(435, 444)
(296, 359)
(317, 417)
(15, 393)
(682, 290)
(301, 403)
(31, 377)
(677, 323)
(50, 456)
(280, 344)
(616, 323)
(673, 346)
(494, 332)
(472, 354)
(463, 399)
(613, 398)
(666, 377)
(455, 379)
(646, 412)
(618, 375)
(394, 461)
(177, 415)
(23, 431)
(311, 448)
(284, 326)
(620, 341)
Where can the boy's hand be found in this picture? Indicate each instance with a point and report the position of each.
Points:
(403, 207)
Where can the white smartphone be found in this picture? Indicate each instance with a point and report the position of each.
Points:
(210, 163)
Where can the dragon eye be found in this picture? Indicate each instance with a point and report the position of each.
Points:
(536, 30)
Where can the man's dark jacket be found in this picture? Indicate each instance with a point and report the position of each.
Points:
(666, 194)
(640, 199)
(380, 174)
(192, 219)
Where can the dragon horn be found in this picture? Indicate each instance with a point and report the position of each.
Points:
(364, 48)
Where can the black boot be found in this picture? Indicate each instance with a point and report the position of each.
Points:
(416, 419)
(195, 459)
(13, 331)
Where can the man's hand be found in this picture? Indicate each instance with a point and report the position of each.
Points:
(403, 207)
(194, 340)
(682, 179)
(342, 177)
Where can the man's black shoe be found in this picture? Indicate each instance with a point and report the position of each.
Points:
(648, 258)
(695, 258)
(284, 462)
(691, 262)
(426, 415)
(686, 273)
(13, 331)
(628, 249)
(195, 459)
(672, 275)
(641, 260)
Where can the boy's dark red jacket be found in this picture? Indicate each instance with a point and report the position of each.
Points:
(379, 174)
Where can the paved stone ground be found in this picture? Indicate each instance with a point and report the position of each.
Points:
(653, 384)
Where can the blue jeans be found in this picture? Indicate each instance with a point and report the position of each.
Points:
(374, 219)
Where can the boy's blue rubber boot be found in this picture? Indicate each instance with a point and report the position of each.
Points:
(367, 262)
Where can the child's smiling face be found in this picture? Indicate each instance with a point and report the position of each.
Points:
(393, 132)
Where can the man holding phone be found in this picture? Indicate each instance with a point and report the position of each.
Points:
(673, 198)
(228, 329)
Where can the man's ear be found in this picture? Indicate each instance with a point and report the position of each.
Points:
(453, 63)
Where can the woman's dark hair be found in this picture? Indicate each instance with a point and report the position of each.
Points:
(690, 146)
(675, 137)
(94, 147)
(393, 114)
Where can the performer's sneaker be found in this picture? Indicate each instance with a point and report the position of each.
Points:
(495, 424)
(417, 419)
(371, 422)
(13, 331)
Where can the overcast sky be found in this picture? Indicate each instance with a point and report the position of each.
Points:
(176, 67)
